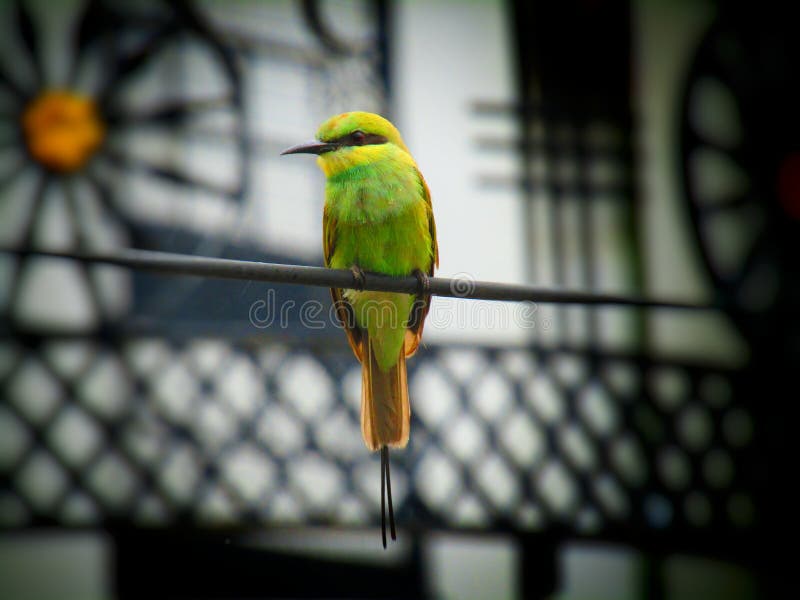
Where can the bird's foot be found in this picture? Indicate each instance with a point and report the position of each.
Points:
(359, 277)
(423, 283)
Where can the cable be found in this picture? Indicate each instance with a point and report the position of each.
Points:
(460, 287)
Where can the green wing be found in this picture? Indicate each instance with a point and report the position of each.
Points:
(422, 305)
(344, 311)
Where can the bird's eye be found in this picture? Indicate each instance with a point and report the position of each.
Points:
(358, 137)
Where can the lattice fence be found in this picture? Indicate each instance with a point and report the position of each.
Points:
(217, 433)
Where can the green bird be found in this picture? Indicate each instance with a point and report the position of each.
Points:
(378, 217)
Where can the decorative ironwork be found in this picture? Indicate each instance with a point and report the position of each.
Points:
(739, 159)
(99, 140)
(157, 431)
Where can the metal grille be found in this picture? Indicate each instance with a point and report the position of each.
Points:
(157, 431)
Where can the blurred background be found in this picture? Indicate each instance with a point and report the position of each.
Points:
(172, 437)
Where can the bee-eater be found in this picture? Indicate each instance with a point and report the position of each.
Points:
(378, 218)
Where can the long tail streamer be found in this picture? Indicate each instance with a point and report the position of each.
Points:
(386, 493)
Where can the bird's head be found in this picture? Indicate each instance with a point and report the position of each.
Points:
(352, 139)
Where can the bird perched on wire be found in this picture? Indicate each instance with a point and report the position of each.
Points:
(377, 218)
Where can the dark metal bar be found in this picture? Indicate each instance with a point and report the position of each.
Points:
(123, 66)
(493, 143)
(316, 22)
(224, 268)
(30, 39)
(170, 173)
(586, 238)
(550, 185)
(491, 108)
(170, 112)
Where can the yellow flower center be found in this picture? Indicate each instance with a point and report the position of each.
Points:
(62, 130)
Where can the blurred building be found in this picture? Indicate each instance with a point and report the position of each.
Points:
(204, 434)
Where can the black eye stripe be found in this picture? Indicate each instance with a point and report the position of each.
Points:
(364, 139)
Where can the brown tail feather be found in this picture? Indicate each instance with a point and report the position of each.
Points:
(385, 411)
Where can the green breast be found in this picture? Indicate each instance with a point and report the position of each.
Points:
(382, 225)
(381, 220)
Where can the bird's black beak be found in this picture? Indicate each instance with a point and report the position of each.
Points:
(313, 147)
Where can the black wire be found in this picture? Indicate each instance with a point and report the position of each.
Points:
(224, 268)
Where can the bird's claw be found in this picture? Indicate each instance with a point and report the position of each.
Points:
(423, 283)
(359, 277)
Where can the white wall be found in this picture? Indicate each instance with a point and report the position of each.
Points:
(448, 55)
